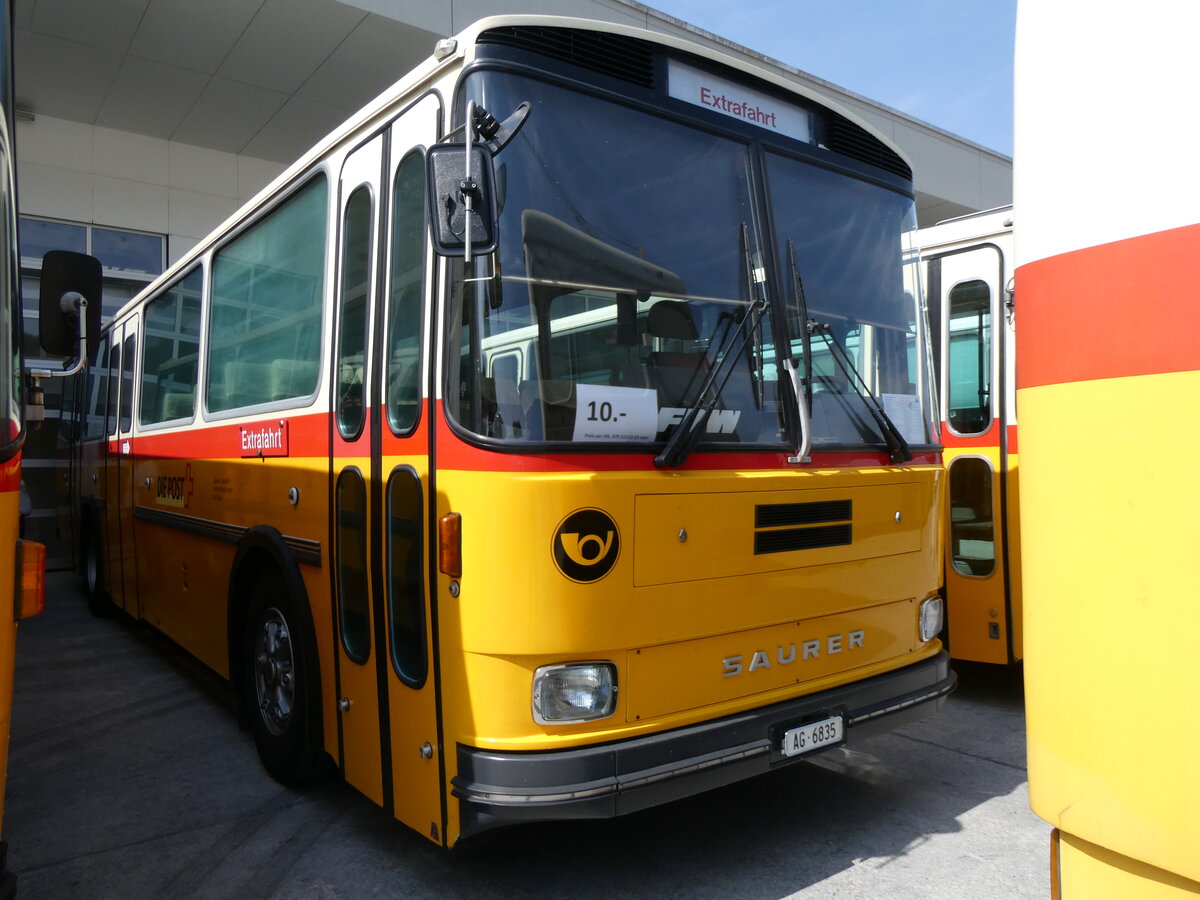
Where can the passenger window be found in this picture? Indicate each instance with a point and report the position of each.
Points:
(404, 315)
(405, 590)
(353, 311)
(128, 355)
(352, 583)
(95, 404)
(110, 401)
(265, 334)
(969, 401)
(171, 348)
(972, 528)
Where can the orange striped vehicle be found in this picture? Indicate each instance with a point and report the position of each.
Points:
(967, 275)
(554, 439)
(66, 279)
(1108, 375)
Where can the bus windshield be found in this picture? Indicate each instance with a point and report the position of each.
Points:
(856, 265)
(631, 248)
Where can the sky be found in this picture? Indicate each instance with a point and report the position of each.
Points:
(946, 62)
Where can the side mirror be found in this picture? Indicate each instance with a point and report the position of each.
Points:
(449, 193)
(462, 182)
(68, 278)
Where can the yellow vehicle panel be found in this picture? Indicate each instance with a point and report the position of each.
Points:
(698, 536)
(1087, 870)
(8, 633)
(977, 609)
(495, 634)
(816, 652)
(1104, 756)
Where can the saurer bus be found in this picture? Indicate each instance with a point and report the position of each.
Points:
(1108, 375)
(967, 278)
(554, 439)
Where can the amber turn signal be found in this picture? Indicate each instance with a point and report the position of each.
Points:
(450, 545)
(31, 579)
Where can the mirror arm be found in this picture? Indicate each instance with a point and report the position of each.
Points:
(468, 186)
(74, 303)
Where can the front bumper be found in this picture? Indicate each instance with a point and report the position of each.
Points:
(607, 780)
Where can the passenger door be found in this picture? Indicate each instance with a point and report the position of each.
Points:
(976, 455)
(404, 361)
(379, 479)
(121, 560)
(362, 686)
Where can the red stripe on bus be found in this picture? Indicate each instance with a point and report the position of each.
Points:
(1082, 315)
(308, 435)
(983, 441)
(456, 454)
(308, 438)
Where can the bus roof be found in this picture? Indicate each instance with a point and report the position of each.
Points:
(456, 52)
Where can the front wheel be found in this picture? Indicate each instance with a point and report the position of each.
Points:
(279, 685)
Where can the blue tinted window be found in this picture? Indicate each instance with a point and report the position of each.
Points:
(38, 237)
(127, 250)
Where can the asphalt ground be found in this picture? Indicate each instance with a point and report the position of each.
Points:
(129, 779)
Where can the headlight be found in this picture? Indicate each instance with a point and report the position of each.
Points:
(930, 619)
(574, 692)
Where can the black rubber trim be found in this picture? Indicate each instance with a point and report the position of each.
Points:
(306, 552)
(8, 881)
(495, 789)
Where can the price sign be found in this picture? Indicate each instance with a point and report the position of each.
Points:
(607, 413)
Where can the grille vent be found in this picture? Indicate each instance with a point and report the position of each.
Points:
(844, 137)
(779, 514)
(615, 55)
(782, 527)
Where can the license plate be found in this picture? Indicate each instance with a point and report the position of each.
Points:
(812, 736)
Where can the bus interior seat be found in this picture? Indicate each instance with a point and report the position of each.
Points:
(244, 383)
(836, 413)
(402, 389)
(294, 378)
(549, 406)
(177, 405)
(678, 373)
(502, 408)
(508, 409)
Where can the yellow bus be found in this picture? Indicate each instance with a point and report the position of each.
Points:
(70, 277)
(485, 453)
(17, 605)
(967, 276)
(1107, 284)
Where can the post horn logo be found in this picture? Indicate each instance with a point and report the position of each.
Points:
(586, 545)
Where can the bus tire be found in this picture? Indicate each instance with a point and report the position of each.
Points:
(93, 573)
(280, 695)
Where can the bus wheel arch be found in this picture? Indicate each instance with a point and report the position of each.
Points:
(273, 663)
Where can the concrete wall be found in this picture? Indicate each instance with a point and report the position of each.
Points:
(83, 173)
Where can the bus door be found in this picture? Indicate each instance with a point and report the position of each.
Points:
(975, 436)
(416, 753)
(387, 711)
(120, 558)
(361, 668)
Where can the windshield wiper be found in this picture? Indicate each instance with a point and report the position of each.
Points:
(898, 449)
(691, 426)
(805, 321)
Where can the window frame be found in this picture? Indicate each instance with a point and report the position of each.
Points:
(318, 172)
(146, 337)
